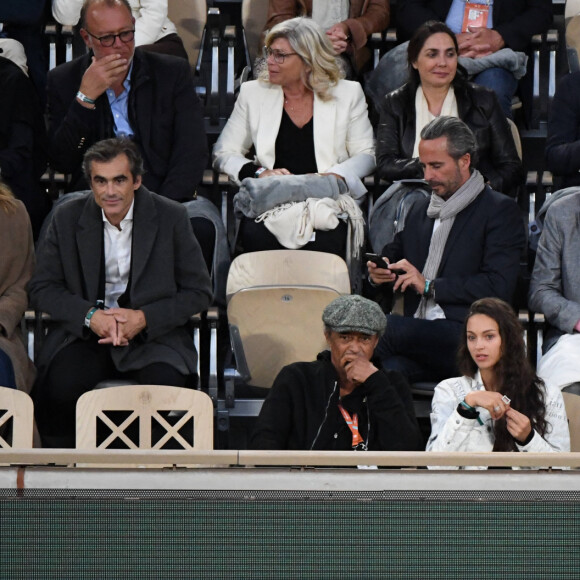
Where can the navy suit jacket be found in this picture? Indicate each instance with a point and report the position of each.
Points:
(164, 112)
(481, 257)
(516, 20)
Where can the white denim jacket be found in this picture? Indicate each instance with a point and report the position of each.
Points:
(452, 432)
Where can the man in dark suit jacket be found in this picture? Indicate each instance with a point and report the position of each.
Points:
(514, 24)
(120, 273)
(116, 89)
(461, 245)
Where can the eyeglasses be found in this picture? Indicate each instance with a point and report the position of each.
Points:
(109, 39)
(279, 57)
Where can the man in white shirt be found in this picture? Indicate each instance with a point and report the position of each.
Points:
(120, 273)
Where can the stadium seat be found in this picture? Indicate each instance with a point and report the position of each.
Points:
(189, 17)
(275, 303)
(16, 419)
(572, 403)
(144, 417)
(572, 24)
(254, 18)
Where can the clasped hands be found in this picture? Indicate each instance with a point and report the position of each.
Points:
(479, 42)
(518, 425)
(339, 35)
(402, 273)
(117, 326)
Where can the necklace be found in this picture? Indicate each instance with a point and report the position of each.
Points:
(289, 106)
(299, 105)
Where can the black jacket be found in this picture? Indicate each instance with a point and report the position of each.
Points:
(23, 146)
(479, 108)
(516, 20)
(301, 411)
(563, 143)
(164, 112)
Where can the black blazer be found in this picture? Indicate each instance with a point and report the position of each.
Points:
(168, 280)
(516, 20)
(563, 142)
(478, 106)
(23, 145)
(481, 257)
(164, 112)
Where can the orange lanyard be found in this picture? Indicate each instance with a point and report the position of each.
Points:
(475, 14)
(352, 423)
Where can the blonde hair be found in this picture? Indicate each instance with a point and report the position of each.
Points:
(7, 199)
(313, 46)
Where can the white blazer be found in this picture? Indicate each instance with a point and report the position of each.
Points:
(343, 135)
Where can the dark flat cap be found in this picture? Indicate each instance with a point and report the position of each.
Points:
(353, 313)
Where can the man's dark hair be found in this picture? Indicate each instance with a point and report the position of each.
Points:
(108, 149)
(460, 138)
(111, 3)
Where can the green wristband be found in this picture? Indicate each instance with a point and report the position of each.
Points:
(89, 315)
(471, 409)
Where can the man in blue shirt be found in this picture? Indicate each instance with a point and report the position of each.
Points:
(118, 90)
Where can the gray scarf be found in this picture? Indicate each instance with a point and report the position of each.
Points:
(446, 212)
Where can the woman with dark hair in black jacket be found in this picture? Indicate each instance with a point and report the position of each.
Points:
(437, 86)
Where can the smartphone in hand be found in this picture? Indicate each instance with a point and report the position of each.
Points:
(377, 260)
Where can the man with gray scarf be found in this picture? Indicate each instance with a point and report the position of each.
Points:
(462, 244)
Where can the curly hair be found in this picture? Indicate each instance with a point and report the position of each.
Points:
(312, 45)
(416, 44)
(515, 375)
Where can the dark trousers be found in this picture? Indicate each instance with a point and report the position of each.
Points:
(6, 371)
(205, 233)
(422, 350)
(77, 369)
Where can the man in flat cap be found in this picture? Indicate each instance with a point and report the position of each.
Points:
(341, 401)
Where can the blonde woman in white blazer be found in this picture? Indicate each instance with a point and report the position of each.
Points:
(300, 117)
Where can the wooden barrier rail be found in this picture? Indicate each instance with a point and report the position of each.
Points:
(242, 458)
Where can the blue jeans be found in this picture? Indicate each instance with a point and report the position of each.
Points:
(503, 83)
(422, 350)
(6, 371)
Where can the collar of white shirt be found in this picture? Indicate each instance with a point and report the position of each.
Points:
(128, 217)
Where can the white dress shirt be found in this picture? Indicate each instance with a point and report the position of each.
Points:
(117, 257)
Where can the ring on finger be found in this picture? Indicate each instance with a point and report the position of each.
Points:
(497, 408)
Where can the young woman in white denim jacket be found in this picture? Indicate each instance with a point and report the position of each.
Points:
(500, 404)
